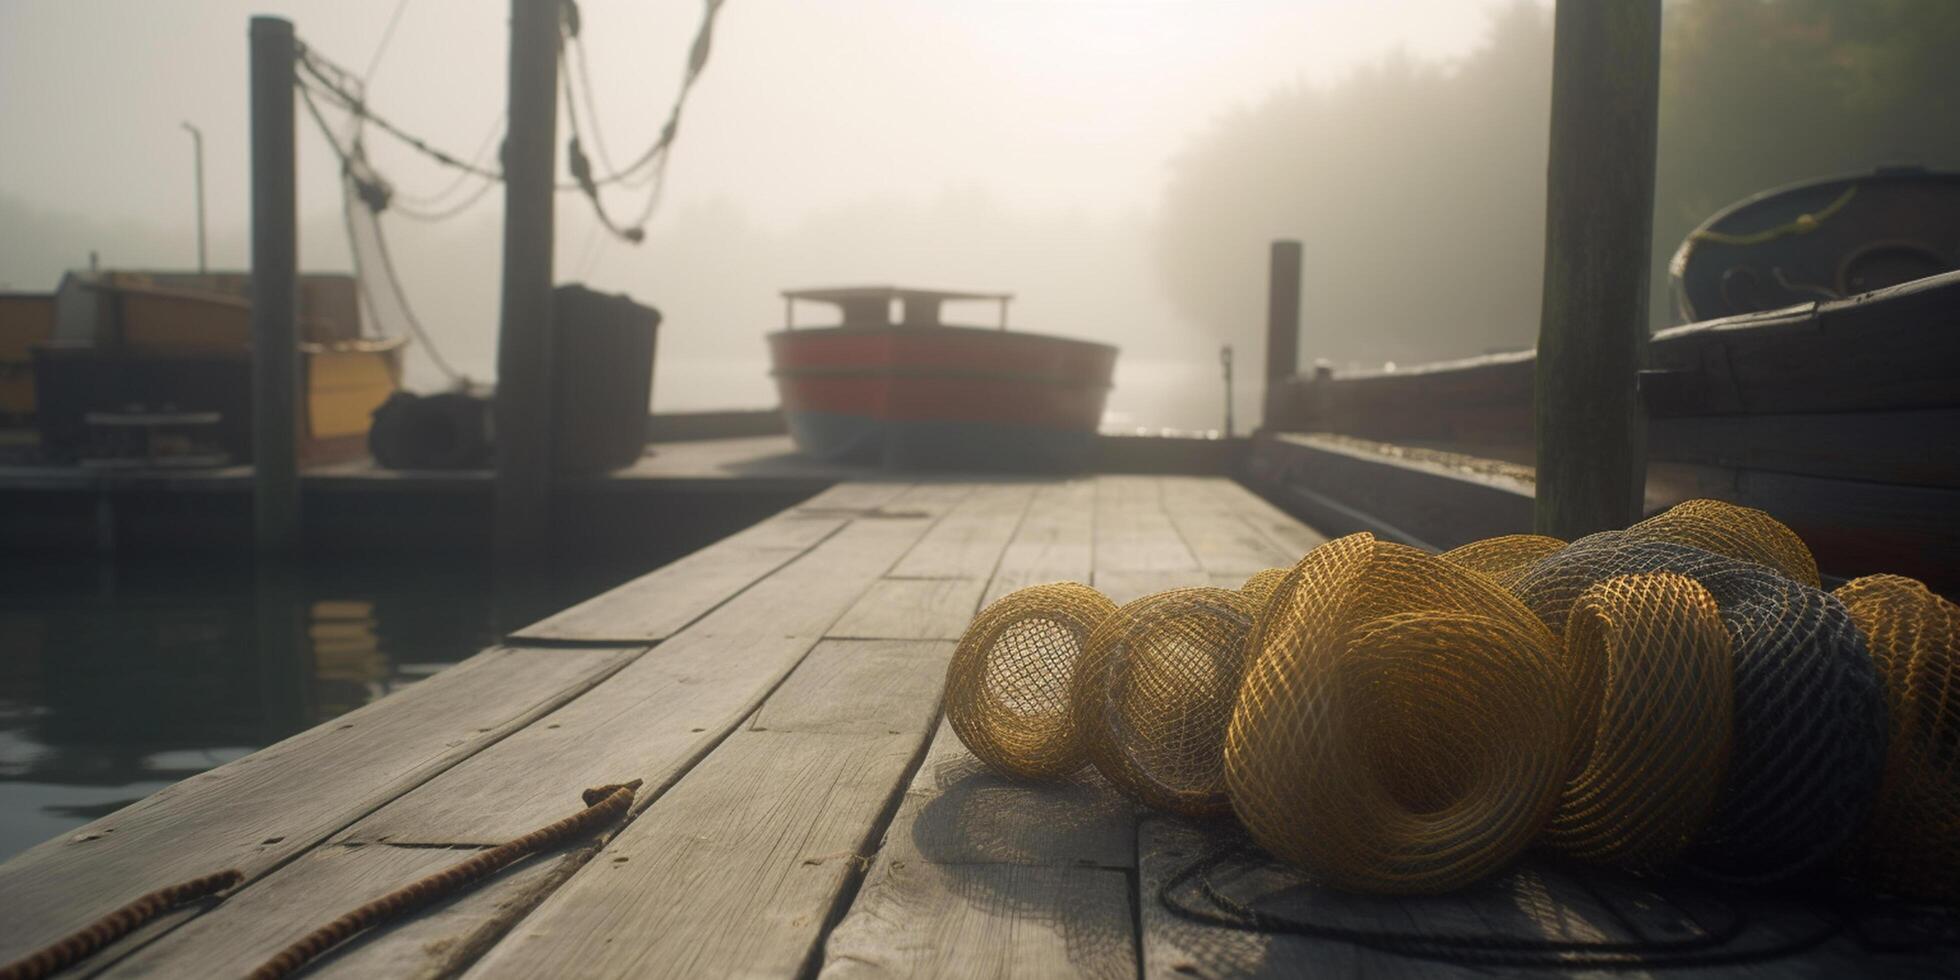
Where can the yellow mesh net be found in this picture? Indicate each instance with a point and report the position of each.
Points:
(1007, 688)
(1260, 586)
(1505, 557)
(1391, 721)
(1912, 846)
(1649, 666)
(1732, 531)
(1403, 726)
(1155, 691)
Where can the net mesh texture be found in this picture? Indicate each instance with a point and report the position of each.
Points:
(1677, 693)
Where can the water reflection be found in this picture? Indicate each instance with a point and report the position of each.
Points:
(120, 677)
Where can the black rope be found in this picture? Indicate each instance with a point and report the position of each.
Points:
(1703, 949)
(387, 35)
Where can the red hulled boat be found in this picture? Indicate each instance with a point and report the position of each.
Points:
(910, 391)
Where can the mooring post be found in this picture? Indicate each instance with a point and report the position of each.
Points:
(275, 294)
(523, 402)
(1599, 211)
(1282, 325)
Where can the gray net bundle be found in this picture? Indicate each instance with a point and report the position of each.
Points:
(1810, 730)
(1504, 557)
(1155, 691)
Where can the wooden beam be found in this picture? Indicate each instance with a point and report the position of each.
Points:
(275, 292)
(523, 403)
(1598, 226)
(1282, 320)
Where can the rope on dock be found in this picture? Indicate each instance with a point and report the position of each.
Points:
(603, 804)
(84, 942)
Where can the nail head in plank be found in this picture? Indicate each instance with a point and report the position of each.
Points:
(258, 812)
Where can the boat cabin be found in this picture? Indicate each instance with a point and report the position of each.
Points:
(875, 306)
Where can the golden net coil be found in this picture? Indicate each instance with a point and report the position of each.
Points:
(1649, 665)
(1912, 846)
(1403, 727)
(1007, 688)
(1260, 586)
(1732, 531)
(1504, 557)
(1809, 733)
(1155, 691)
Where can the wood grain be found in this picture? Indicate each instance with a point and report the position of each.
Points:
(985, 920)
(735, 870)
(912, 609)
(1133, 534)
(659, 603)
(260, 811)
(967, 542)
(1054, 543)
(1212, 524)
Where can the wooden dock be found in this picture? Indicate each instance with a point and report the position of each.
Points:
(805, 811)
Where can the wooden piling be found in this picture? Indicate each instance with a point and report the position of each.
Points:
(1282, 322)
(1598, 225)
(275, 296)
(523, 402)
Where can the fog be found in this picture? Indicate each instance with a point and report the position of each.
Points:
(1120, 166)
(989, 144)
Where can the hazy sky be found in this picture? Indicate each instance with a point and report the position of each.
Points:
(808, 106)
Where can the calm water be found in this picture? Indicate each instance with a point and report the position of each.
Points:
(118, 678)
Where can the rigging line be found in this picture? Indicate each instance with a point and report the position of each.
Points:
(591, 104)
(350, 181)
(483, 150)
(387, 34)
(579, 164)
(697, 60)
(358, 106)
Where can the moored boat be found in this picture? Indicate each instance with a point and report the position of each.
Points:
(912, 391)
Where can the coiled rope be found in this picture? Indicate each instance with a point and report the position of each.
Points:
(1676, 694)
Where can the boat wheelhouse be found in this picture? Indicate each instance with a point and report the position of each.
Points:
(892, 383)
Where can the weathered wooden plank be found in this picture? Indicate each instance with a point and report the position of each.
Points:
(981, 875)
(661, 602)
(1125, 586)
(1293, 538)
(1175, 948)
(259, 812)
(912, 609)
(655, 719)
(985, 920)
(956, 811)
(1208, 517)
(1133, 534)
(736, 869)
(252, 925)
(967, 542)
(1055, 542)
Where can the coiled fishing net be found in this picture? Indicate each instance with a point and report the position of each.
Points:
(1912, 846)
(1809, 715)
(1403, 726)
(1007, 688)
(1733, 531)
(1504, 557)
(1261, 585)
(1650, 669)
(1394, 722)
(1155, 691)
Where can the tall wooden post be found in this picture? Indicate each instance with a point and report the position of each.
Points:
(1282, 323)
(1598, 224)
(523, 404)
(275, 294)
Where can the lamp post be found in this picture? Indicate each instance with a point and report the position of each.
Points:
(1225, 361)
(197, 155)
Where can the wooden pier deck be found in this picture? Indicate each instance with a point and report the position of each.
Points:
(805, 811)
